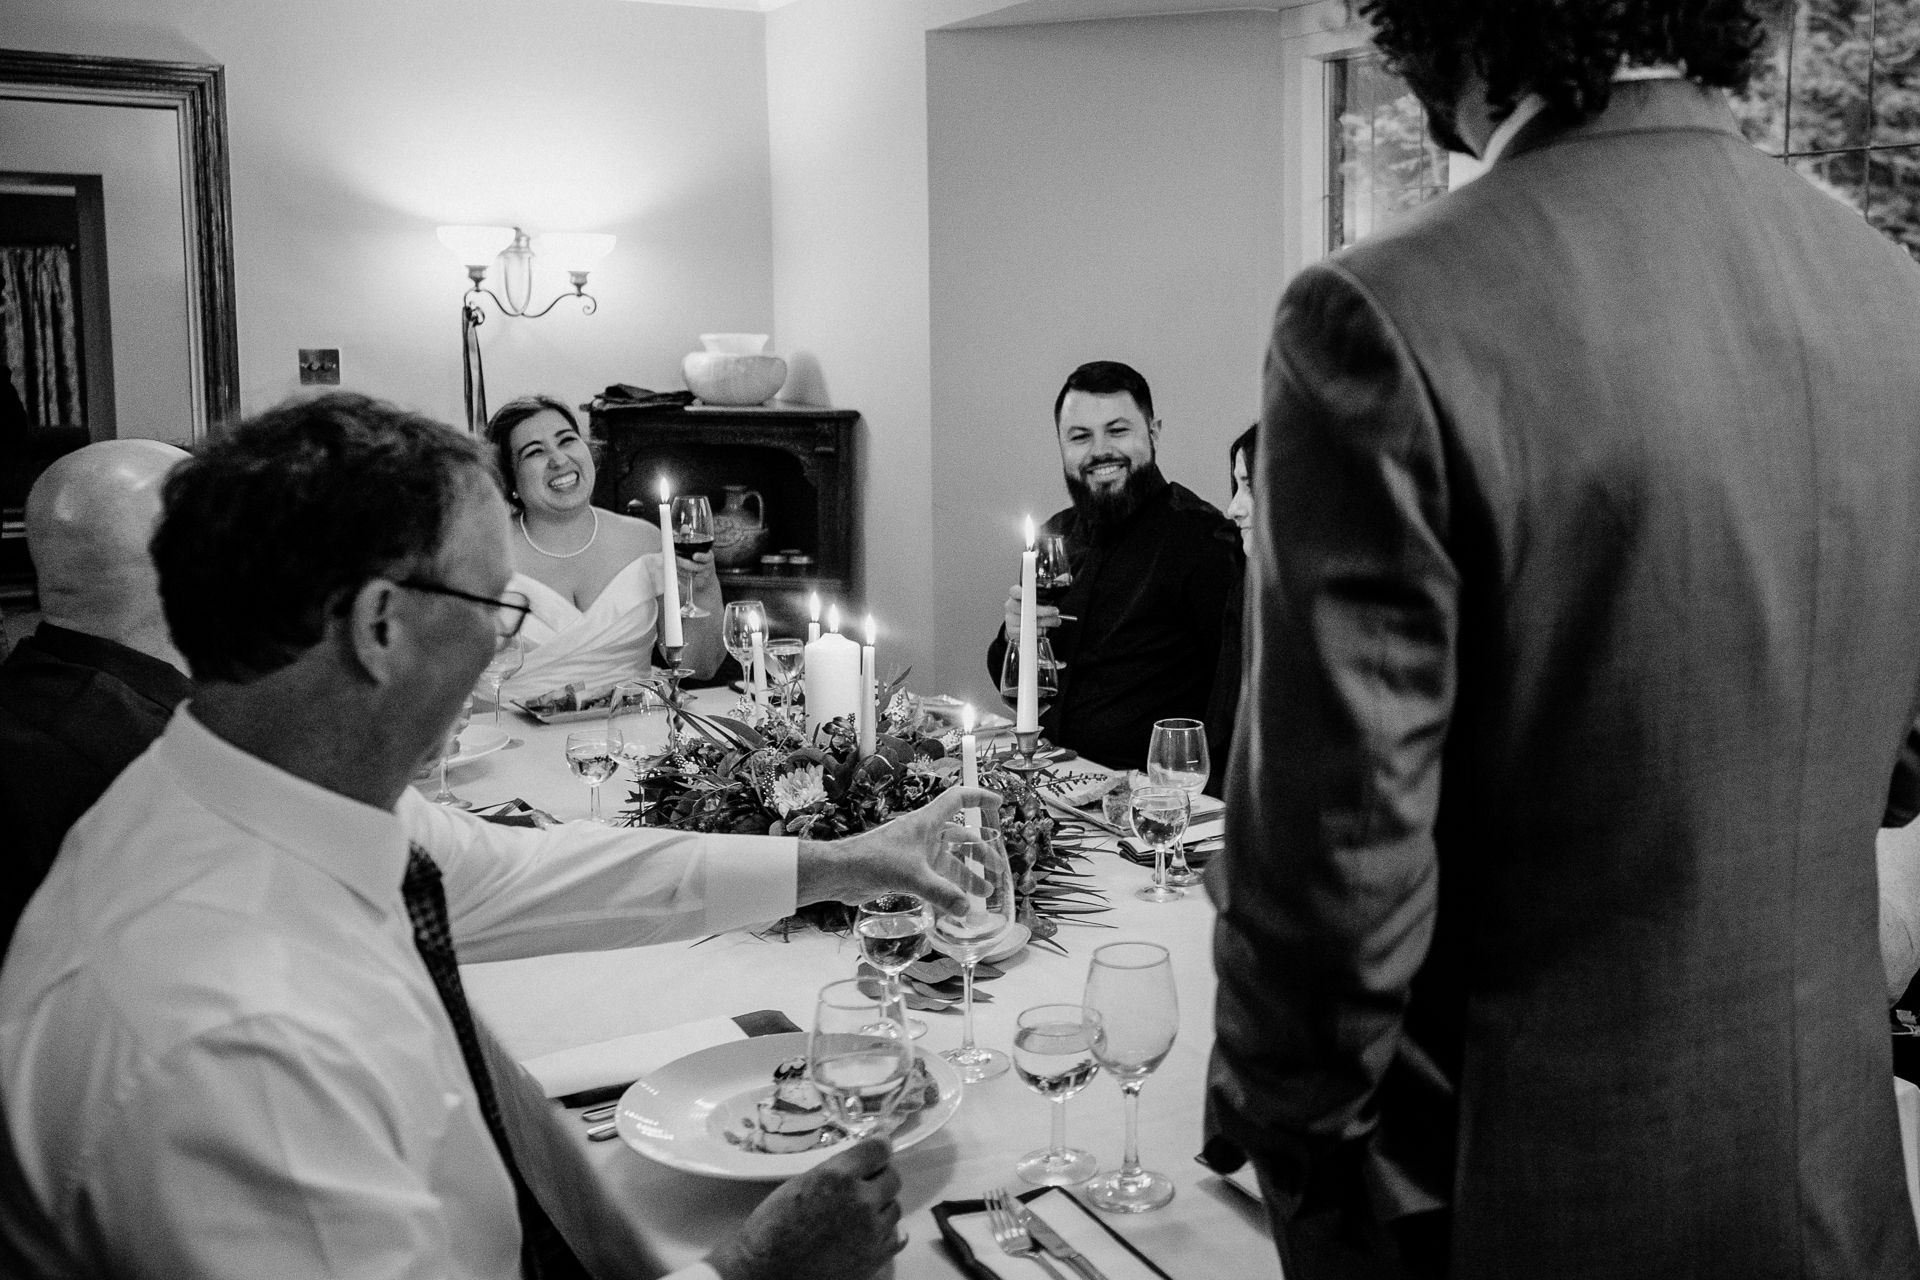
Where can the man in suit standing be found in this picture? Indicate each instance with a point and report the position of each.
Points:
(1584, 620)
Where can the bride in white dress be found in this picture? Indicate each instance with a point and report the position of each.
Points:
(593, 577)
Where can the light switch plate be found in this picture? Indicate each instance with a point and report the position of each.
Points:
(319, 366)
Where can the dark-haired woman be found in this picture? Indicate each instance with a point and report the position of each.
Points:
(595, 578)
(1225, 703)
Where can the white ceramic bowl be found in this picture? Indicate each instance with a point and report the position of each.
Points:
(735, 344)
(718, 377)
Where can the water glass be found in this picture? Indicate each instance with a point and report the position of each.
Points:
(594, 756)
(1131, 995)
(450, 746)
(786, 662)
(506, 663)
(893, 932)
(1160, 818)
(1177, 757)
(1053, 1056)
(859, 1069)
(741, 620)
(972, 937)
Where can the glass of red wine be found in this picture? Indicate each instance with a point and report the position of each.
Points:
(1046, 686)
(692, 535)
(1052, 574)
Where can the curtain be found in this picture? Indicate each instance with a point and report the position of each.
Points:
(42, 348)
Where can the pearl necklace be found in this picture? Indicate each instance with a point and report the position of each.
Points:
(561, 555)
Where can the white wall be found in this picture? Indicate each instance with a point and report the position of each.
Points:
(1099, 190)
(360, 125)
(137, 155)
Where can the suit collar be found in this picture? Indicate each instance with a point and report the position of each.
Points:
(159, 682)
(1645, 106)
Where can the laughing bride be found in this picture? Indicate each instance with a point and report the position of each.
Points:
(594, 578)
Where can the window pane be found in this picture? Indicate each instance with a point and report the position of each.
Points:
(1831, 55)
(1762, 110)
(1894, 206)
(1381, 163)
(1896, 79)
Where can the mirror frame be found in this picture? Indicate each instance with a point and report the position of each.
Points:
(196, 94)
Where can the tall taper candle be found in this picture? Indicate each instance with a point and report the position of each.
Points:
(832, 676)
(1027, 706)
(869, 694)
(813, 616)
(670, 634)
(969, 760)
(759, 661)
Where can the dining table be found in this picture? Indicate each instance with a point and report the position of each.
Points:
(628, 1215)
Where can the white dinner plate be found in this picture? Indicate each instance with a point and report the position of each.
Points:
(478, 740)
(1017, 937)
(680, 1114)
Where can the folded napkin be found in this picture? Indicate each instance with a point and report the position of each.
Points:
(596, 1073)
(969, 1237)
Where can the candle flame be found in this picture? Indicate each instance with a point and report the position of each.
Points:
(966, 718)
(1029, 533)
(666, 493)
(813, 606)
(870, 631)
(833, 618)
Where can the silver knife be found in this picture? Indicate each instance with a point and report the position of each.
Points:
(1050, 1241)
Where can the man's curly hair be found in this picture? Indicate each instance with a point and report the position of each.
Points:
(1567, 51)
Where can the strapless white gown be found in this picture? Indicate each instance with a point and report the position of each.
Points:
(589, 649)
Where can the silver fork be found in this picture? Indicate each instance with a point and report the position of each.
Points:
(1011, 1234)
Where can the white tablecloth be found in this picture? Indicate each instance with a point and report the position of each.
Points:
(557, 1002)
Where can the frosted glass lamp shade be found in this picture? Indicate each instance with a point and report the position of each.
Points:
(476, 246)
(573, 251)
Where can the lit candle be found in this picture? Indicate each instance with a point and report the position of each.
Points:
(1027, 706)
(969, 760)
(833, 675)
(869, 694)
(759, 660)
(813, 616)
(670, 636)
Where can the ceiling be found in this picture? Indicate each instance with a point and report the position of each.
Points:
(1010, 13)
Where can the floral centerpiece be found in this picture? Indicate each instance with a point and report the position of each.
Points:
(755, 771)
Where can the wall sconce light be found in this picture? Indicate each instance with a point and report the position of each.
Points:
(576, 253)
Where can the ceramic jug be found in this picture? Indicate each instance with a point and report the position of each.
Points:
(738, 535)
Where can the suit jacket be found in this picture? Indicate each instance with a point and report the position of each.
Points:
(1586, 630)
(75, 710)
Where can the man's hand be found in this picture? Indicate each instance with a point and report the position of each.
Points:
(900, 857)
(1045, 616)
(837, 1220)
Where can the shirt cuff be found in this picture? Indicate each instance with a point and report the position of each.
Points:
(750, 879)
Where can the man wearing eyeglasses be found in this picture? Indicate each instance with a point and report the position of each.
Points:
(232, 1035)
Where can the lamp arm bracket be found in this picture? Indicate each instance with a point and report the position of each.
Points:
(589, 304)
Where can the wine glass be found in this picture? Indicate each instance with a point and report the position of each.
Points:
(692, 534)
(859, 1069)
(506, 663)
(1052, 574)
(893, 932)
(1053, 1056)
(1159, 818)
(629, 693)
(1046, 672)
(1177, 757)
(741, 619)
(450, 746)
(970, 938)
(594, 755)
(786, 661)
(1130, 992)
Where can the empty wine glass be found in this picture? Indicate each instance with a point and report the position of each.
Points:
(859, 1070)
(972, 937)
(1159, 818)
(786, 661)
(692, 535)
(450, 746)
(1053, 1056)
(594, 756)
(741, 619)
(506, 663)
(1130, 991)
(627, 694)
(1177, 757)
(893, 932)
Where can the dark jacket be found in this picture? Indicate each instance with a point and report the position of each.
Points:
(1585, 628)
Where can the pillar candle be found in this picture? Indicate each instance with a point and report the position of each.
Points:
(969, 760)
(670, 635)
(869, 695)
(813, 616)
(1027, 705)
(759, 662)
(832, 676)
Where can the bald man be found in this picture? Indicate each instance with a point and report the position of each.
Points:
(97, 682)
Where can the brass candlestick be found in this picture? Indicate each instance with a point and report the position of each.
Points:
(1027, 743)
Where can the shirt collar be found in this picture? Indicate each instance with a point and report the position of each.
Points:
(1533, 104)
(362, 847)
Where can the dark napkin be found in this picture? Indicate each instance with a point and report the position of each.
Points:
(962, 1254)
(761, 1022)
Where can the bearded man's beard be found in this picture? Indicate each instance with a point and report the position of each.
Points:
(1100, 510)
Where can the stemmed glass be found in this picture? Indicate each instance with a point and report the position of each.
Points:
(1159, 818)
(859, 1068)
(971, 938)
(1131, 993)
(1047, 674)
(506, 663)
(893, 931)
(741, 619)
(1177, 757)
(594, 755)
(786, 661)
(692, 534)
(628, 693)
(449, 746)
(1052, 574)
(1053, 1055)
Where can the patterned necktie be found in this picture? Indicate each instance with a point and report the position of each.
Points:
(543, 1254)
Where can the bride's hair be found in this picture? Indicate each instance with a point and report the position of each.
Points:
(500, 436)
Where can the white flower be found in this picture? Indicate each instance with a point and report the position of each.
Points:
(798, 789)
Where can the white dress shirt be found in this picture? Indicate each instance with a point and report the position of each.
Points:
(220, 1053)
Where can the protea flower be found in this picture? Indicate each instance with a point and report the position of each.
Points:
(798, 789)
